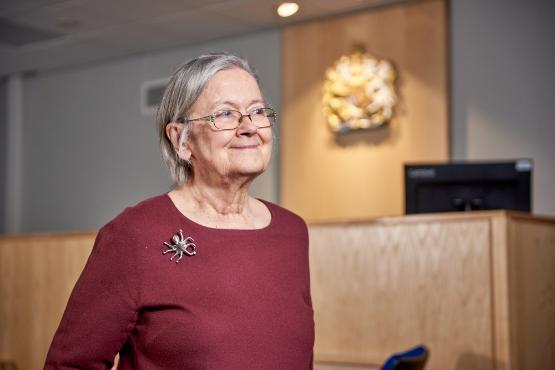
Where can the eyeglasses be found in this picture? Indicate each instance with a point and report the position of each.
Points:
(230, 119)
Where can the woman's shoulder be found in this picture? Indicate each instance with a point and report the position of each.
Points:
(283, 215)
(137, 217)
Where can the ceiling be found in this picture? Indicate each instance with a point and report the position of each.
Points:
(43, 34)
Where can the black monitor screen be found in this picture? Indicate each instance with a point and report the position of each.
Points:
(467, 186)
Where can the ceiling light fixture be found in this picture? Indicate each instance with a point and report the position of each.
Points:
(287, 9)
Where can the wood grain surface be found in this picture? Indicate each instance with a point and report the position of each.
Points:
(37, 274)
(379, 289)
(477, 288)
(532, 293)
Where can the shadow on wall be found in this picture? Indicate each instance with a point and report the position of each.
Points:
(369, 137)
(474, 361)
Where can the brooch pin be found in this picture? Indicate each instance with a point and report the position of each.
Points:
(181, 246)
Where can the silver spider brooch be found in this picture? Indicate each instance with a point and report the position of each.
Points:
(181, 246)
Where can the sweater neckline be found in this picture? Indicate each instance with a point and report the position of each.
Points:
(180, 214)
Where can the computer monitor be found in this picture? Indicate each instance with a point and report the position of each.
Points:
(468, 186)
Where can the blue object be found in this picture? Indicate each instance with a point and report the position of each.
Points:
(413, 359)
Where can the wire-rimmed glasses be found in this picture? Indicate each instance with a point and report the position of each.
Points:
(230, 119)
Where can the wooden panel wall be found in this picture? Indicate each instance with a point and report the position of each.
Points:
(360, 175)
(37, 274)
(379, 288)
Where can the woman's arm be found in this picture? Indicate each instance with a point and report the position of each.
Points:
(103, 307)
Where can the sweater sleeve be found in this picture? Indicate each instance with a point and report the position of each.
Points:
(102, 309)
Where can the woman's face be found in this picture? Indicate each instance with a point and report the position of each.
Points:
(241, 153)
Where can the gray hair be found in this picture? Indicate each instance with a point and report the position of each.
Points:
(184, 88)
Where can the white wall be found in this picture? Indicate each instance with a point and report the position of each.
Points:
(88, 150)
(503, 86)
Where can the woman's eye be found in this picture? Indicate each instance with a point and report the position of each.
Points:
(224, 114)
(257, 112)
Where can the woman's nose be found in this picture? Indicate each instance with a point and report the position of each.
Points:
(246, 127)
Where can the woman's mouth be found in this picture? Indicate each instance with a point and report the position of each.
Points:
(245, 147)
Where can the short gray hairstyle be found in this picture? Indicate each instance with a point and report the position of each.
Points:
(184, 88)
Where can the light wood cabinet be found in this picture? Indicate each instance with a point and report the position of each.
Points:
(478, 289)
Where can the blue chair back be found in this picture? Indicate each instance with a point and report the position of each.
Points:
(412, 359)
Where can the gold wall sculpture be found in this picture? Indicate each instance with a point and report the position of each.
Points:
(359, 175)
(359, 92)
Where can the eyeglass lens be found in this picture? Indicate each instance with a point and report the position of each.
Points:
(230, 119)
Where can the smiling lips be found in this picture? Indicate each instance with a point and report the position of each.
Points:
(246, 146)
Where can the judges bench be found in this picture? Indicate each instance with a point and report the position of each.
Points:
(478, 289)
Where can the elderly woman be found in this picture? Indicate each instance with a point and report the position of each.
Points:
(205, 276)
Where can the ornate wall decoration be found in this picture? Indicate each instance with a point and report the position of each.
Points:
(330, 177)
(359, 92)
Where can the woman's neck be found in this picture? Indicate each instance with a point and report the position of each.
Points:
(218, 199)
(226, 200)
(220, 207)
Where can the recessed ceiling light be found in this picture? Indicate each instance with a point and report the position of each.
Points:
(287, 9)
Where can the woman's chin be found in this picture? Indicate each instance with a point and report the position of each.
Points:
(248, 169)
(248, 165)
(251, 171)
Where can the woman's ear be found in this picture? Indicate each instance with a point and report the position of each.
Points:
(173, 133)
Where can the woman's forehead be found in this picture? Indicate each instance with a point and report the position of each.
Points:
(230, 84)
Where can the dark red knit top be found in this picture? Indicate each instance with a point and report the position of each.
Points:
(242, 302)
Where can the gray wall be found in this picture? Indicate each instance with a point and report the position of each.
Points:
(89, 152)
(503, 86)
(3, 153)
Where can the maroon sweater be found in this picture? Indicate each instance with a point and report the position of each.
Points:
(242, 302)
